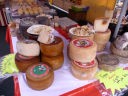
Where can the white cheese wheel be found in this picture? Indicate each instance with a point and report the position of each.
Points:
(28, 48)
(82, 50)
(101, 24)
(84, 71)
(39, 76)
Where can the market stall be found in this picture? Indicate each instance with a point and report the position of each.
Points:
(79, 58)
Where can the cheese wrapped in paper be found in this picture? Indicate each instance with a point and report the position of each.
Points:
(101, 24)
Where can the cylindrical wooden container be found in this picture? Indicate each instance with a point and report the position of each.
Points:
(82, 50)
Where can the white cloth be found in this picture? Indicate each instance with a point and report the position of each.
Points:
(63, 81)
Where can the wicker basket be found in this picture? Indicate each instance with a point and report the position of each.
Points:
(118, 52)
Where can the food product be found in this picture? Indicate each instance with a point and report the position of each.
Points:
(23, 62)
(20, 11)
(101, 24)
(121, 42)
(28, 48)
(84, 71)
(107, 62)
(101, 38)
(55, 62)
(28, 7)
(82, 32)
(36, 29)
(53, 49)
(46, 37)
(116, 51)
(39, 76)
(82, 50)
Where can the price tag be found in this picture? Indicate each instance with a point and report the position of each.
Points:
(115, 80)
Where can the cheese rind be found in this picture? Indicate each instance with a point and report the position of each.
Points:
(82, 53)
(84, 73)
(28, 48)
(55, 62)
(101, 39)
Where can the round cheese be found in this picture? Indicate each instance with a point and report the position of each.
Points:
(122, 53)
(101, 39)
(23, 62)
(55, 62)
(53, 49)
(28, 48)
(107, 62)
(84, 71)
(82, 50)
(39, 76)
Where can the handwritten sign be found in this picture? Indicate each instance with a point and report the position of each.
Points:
(8, 64)
(115, 80)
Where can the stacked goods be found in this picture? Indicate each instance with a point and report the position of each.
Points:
(107, 62)
(39, 76)
(51, 49)
(120, 46)
(102, 33)
(82, 32)
(29, 7)
(34, 31)
(27, 54)
(82, 53)
(84, 70)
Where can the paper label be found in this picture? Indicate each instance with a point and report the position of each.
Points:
(115, 80)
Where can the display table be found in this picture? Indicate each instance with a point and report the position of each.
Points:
(63, 79)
